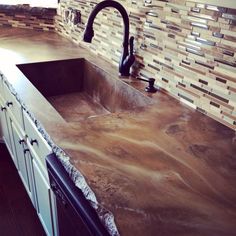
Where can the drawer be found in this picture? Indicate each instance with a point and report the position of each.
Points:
(13, 106)
(35, 139)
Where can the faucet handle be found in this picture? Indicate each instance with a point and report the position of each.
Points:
(130, 58)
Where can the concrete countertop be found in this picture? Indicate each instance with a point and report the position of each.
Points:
(161, 170)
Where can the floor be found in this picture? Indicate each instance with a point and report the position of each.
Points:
(17, 215)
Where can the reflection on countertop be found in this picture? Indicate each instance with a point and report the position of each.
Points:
(163, 169)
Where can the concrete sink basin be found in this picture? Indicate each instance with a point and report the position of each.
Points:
(78, 89)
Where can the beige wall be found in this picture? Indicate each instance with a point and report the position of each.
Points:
(189, 48)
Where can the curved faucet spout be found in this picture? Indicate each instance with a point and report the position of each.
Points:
(127, 58)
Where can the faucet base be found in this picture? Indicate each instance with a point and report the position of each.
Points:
(124, 74)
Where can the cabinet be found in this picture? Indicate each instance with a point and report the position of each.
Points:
(38, 150)
(28, 150)
(11, 129)
(13, 106)
(32, 173)
(43, 193)
(24, 162)
(5, 125)
(36, 142)
(10, 110)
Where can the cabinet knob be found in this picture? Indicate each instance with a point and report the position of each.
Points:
(21, 141)
(32, 141)
(9, 104)
(3, 108)
(26, 150)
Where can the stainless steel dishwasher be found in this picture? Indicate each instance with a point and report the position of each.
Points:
(74, 214)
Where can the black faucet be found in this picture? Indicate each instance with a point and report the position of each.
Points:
(127, 58)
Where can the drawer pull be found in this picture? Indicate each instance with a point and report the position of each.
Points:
(21, 141)
(9, 104)
(3, 108)
(32, 141)
(26, 150)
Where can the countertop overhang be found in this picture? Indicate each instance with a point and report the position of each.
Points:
(161, 170)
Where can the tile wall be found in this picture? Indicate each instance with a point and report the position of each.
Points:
(190, 48)
(23, 16)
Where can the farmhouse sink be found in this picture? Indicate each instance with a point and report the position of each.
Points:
(78, 89)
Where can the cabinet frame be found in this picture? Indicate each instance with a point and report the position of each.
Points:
(28, 156)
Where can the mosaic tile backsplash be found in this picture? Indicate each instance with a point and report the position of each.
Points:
(189, 48)
(24, 16)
